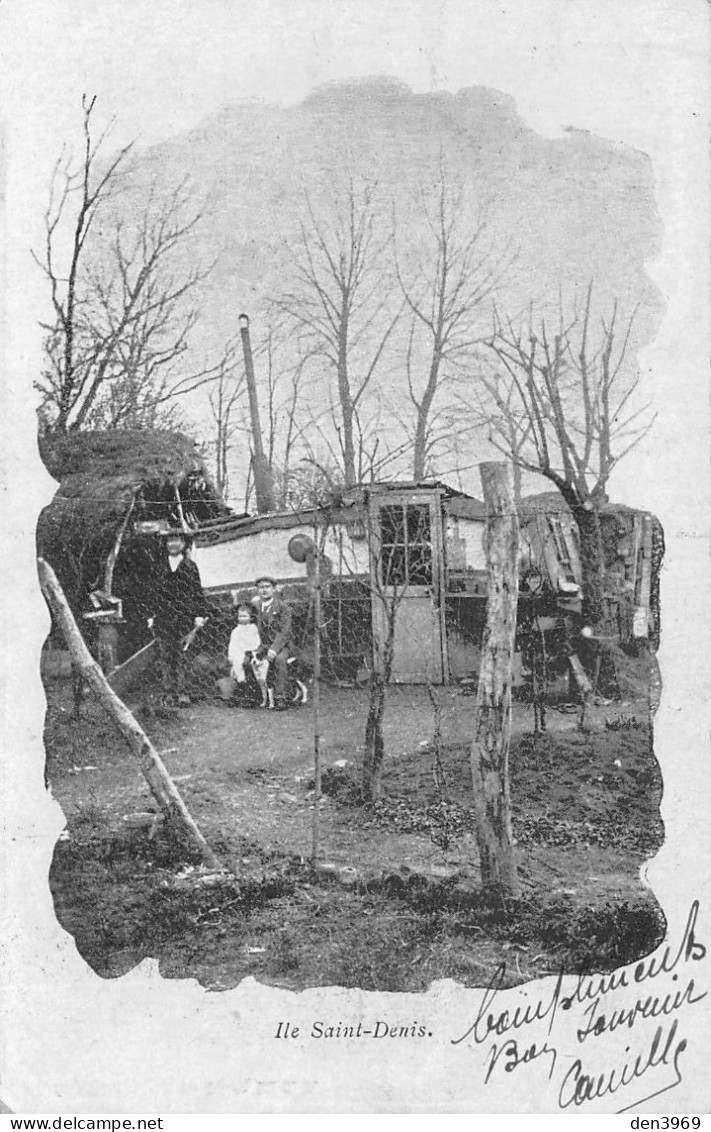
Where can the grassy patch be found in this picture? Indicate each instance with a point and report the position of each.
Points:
(585, 814)
(136, 898)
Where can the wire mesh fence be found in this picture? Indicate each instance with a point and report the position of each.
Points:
(176, 641)
(161, 631)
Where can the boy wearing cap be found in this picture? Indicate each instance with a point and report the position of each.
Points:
(274, 625)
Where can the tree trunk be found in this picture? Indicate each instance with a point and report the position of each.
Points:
(598, 662)
(418, 458)
(592, 561)
(490, 747)
(423, 416)
(159, 781)
(346, 401)
(350, 473)
(515, 446)
(374, 738)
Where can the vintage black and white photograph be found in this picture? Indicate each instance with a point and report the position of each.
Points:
(353, 585)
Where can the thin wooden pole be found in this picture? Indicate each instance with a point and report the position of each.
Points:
(490, 746)
(159, 781)
(115, 549)
(315, 845)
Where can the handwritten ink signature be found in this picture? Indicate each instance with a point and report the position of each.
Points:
(580, 1085)
(513, 1056)
(650, 968)
(654, 1006)
(485, 1025)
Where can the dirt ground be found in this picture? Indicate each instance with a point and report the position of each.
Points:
(585, 813)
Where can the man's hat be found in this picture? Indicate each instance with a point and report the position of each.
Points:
(266, 578)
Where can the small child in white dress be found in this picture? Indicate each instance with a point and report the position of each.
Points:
(244, 642)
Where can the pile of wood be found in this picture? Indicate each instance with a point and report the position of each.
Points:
(633, 544)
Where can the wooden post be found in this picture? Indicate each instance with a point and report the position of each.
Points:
(108, 647)
(115, 549)
(159, 781)
(490, 747)
(316, 698)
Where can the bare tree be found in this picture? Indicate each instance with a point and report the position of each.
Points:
(122, 315)
(90, 188)
(287, 427)
(401, 556)
(497, 410)
(341, 300)
(224, 399)
(134, 404)
(371, 456)
(447, 289)
(314, 482)
(569, 414)
(397, 564)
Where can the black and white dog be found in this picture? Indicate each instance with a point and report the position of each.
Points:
(298, 690)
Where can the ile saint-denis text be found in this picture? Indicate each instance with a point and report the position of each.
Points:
(377, 1029)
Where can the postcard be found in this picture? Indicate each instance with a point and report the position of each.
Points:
(356, 604)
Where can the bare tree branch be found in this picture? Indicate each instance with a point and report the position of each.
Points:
(341, 301)
(122, 314)
(447, 288)
(558, 409)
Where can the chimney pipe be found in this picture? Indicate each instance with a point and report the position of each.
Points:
(263, 484)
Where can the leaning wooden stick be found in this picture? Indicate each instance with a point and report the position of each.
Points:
(159, 781)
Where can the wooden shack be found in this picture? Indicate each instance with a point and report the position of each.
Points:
(420, 545)
(416, 546)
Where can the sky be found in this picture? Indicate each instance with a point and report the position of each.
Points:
(161, 73)
(634, 72)
(595, 66)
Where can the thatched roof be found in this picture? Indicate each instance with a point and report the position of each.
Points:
(101, 475)
(83, 461)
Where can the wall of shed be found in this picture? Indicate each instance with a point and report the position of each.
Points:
(238, 562)
(465, 580)
(464, 540)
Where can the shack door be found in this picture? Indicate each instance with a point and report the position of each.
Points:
(407, 577)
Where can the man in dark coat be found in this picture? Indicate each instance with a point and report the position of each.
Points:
(177, 607)
(274, 625)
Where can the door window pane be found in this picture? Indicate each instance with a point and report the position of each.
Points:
(405, 548)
